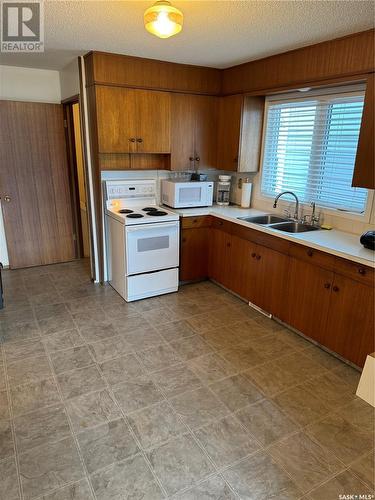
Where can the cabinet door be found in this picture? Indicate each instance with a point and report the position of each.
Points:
(153, 121)
(350, 325)
(116, 119)
(364, 174)
(205, 132)
(182, 132)
(307, 300)
(194, 253)
(219, 263)
(271, 280)
(242, 267)
(229, 132)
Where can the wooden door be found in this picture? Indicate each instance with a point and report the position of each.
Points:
(153, 121)
(182, 132)
(194, 254)
(308, 297)
(229, 132)
(364, 172)
(34, 178)
(350, 325)
(220, 257)
(205, 132)
(116, 110)
(242, 267)
(271, 280)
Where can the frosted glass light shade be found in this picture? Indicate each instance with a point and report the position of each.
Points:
(163, 20)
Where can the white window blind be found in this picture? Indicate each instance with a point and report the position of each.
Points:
(310, 146)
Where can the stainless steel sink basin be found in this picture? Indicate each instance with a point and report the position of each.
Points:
(264, 219)
(294, 227)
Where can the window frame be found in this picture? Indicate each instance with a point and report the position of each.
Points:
(298, 96)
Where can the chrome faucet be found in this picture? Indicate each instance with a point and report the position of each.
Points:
(296, 212)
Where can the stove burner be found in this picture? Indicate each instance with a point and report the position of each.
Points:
(149, 209)
(157, 213)
(125, 211)
(134, 216)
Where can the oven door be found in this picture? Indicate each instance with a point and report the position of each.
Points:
(152, 247)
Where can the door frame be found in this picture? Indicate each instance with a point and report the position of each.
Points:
(73, 175)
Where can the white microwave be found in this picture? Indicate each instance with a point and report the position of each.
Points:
(177, 194)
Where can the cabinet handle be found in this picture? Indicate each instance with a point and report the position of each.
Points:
(139, 139)
(253, 255)
(195, 221)
(327, 285)
(228, 244)
(132, 139)
(191, 158)
(197, 158)
(310, 252)
(362, 270)
(258, 257)
(235, 159)
(335, 288)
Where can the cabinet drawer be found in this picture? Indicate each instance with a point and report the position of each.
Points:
(355, 271)
(313, 256)
(267, 240)
(191, 222)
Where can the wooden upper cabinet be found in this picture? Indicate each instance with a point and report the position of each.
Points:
(132, 121)
(364, 170)
(205, 127)
(239, 135)
(182, 132)
(153, 121)
(193, 132)
(116, 119)
(229, 131)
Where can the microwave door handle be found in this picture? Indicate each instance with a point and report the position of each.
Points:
(143, 227)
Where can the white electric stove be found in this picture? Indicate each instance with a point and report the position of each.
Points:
(142, 240)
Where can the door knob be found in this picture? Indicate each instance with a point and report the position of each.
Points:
(7, 198)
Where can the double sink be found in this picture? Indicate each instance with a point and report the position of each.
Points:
(280, 223)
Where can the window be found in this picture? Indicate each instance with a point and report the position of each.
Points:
(310, 146)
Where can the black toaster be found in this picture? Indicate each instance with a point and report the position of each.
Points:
(368, 240)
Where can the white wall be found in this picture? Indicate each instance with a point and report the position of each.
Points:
(29, 84)
(26, 84)
(69, 80)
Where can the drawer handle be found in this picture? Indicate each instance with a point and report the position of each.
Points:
(195, 221)
(362, 271)
(310, 252)
(258, 257)
(253, 255)
(335, 288)
(327, 285)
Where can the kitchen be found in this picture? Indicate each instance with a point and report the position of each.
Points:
(197, 321)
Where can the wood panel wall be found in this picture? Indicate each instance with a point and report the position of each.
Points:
(335, 59)
(137, 72)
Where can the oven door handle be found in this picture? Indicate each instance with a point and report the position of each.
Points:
(143, 227)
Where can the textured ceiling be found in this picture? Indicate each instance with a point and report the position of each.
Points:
(215, 33)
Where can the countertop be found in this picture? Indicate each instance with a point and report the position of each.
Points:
(332, 241)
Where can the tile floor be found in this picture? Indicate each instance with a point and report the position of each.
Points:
(192, 396)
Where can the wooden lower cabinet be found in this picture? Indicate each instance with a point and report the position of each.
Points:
(270, 280)
(350, 324)
(308, 298)
(219, 266)
(241, 268)
(194, 254)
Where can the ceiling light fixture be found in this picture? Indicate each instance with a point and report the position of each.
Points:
(163, 20)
